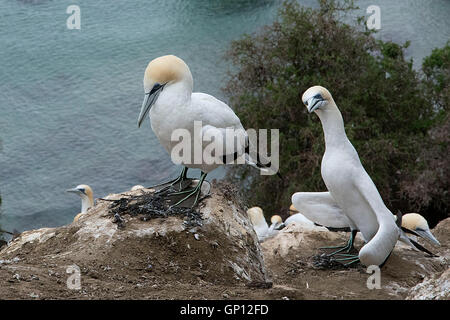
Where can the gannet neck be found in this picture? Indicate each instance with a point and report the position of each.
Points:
(333, 126)
(86, 203)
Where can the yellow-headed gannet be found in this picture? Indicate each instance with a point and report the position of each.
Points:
(418, 225)
(350, 185)
(259, 222)
(275, 223)
(87, 198)
(321, 208)
(171, 105)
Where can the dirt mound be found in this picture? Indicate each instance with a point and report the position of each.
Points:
(132, 253)
(127, 248)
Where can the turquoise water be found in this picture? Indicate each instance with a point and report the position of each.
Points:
(69, 99)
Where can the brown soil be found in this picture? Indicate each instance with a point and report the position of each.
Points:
(174, 263)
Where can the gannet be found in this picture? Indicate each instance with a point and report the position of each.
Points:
(259, 222)
(87, 198)
(171, 105)
(276, 223)
(419, 225)
(137, 187)
(350, 185)
(321, 208)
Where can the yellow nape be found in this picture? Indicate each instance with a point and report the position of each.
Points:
(292, 210)
(413, 221)
(256, 215)
(276, 219)
(165, 69)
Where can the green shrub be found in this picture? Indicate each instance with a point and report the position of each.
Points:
(383, 100)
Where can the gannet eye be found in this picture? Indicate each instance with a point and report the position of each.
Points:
(83, 190)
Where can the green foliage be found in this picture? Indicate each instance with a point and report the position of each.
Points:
(380, 95)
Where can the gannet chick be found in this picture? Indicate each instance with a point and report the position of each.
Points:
(87, 198)
(259, 222)
(419, 225)
(137, 187)
(350, 185)
(171, 105)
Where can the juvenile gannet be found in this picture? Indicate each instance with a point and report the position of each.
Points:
(419, 225)
(350, 185)
(87, 198)
(259, 222)
(171, 105)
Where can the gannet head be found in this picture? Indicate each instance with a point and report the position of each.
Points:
(86, 194)
(256, 216)
(161, 72)
(275, 221)
(316, 97)
(417, 223)
(292, 210)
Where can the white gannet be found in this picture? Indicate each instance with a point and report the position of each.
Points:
(137, 187)
(87, 198)
(275, 223)
(259, 222)
(350, 185)
(321, 208)
(171, 105)
(418, 225)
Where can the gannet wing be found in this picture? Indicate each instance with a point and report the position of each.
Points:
(321, 208)
(300, 218)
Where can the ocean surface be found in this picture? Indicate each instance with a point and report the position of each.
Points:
(69, 99)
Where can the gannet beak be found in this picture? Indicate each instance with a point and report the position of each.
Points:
(314, 103)
(75, 190)
(149, 99)
(426, 234)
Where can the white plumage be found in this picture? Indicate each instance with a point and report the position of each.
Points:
(350, 185)
(175, 106)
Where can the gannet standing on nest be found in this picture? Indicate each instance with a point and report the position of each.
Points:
(350, 185)
(171, 105)
(87, 198)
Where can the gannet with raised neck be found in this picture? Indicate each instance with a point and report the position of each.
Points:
(171, 105)
(350, 185)
(87, 198)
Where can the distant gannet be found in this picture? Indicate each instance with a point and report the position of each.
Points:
(276, 223)
(87, 198)
(259, 222)
(171, 105)
(350, 185)
(137, 187)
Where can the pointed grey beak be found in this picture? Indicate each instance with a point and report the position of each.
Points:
(426, 234)
(74, 190)
(149, 99)
(313, 104)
